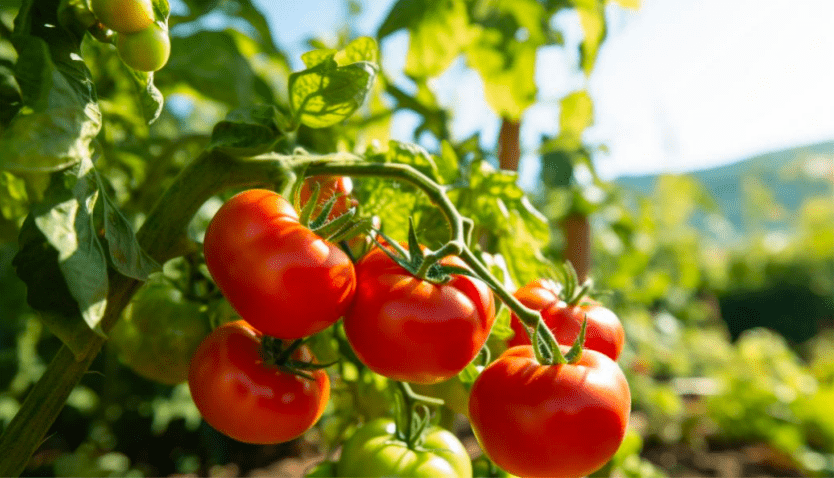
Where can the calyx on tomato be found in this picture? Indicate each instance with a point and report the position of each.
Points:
(561, 420)
(563, 309)
(375, 450)
(255, 389)
(412, 328)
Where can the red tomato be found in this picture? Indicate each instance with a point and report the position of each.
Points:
(604, 332)
(413, 330)
(557, 420)
(247, 399)
(328, 187)
(280, 276)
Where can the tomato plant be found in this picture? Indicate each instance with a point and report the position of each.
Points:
(604, 333)
(145, 50)
(279, 275)
(373, 450)
(550, 420)
(159, 332)
(124, 16)
(412, 329)
(242, 395)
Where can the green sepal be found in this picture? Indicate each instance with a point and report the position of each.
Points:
(575, 352)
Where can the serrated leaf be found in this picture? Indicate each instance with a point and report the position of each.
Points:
(328, 94)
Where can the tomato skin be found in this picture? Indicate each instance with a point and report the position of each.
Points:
(604, 332)
(374, 451)
(278, 275)
(556, 421)
(328, 187)
(412, 330)
(145, 50)
(159, 332)
(247, 400)
(124, 16)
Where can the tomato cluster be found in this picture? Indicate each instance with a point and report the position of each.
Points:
(407, 322)
(142, 44)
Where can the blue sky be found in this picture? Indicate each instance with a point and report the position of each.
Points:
(679, 85)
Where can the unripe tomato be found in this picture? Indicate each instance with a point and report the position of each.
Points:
(159, 332)
(374, 451)
(279, 275)
(247, 399)
(124, 16)
(550, 420)
(452, 392)
(604, 332)
(146, 50)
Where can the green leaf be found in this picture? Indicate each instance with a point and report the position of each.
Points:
(507, 68)
(437, 37)
(62, 260)
(60, 114)
(314, 57)
(10, 99)
(150, 98)
(448, 165)
(361, 49)
(413, 155)
(199, 69)
(576, 114)
(327, 93)
(249, 131)
(592, 18)
(124, 250)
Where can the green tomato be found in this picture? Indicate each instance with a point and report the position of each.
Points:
(159, 332)
(124, 16)
(146, 50)
(452, 392)
(374, 451)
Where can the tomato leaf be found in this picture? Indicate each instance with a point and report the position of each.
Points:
(60, 115)
(124, 251)
(249, 131)
(327, 93)
(150, 98)
(62, 261)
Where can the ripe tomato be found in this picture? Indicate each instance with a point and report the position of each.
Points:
(159, 332)
(413, 330)
(374, 451)
(328, 187)
(145, 50)
(124, 16)
(280, 276)
(604, 332)
(248, 400)
(550, 420)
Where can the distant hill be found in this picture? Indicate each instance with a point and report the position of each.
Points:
(792, 175)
